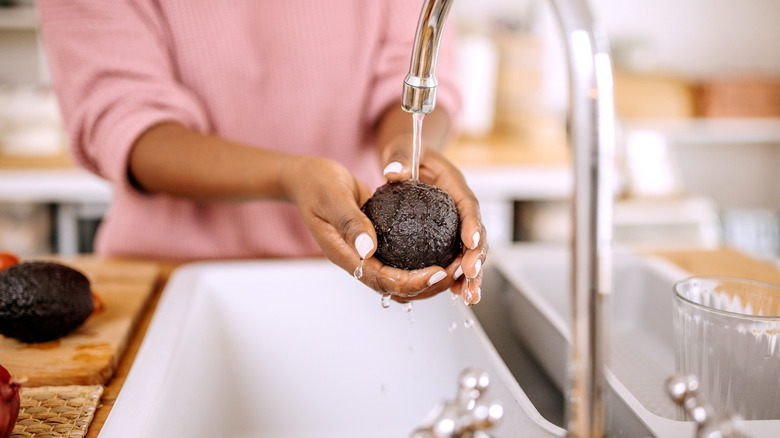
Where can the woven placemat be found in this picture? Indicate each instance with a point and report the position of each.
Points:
(56, 411)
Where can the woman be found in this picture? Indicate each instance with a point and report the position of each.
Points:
(253, 128)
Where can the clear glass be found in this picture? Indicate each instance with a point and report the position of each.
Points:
(727, 334)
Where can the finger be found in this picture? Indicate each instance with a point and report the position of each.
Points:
(407, 285)
(468, 289)
(472, 232)
(472, 290)
(473, 259)
(353, 225)
(397, 282)
(341, 229)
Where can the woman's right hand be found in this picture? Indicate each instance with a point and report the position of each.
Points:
(329, 199)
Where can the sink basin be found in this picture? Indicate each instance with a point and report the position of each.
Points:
(641, 345)
(301, 349)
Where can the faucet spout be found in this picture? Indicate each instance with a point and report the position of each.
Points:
(420, 84)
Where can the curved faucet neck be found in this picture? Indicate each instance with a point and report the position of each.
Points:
(419, 94)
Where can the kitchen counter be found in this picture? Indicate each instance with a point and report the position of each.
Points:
(696, 262)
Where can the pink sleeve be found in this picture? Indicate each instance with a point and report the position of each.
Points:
(113, 77)
(395, 56)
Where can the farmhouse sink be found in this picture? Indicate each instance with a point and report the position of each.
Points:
(301, 349)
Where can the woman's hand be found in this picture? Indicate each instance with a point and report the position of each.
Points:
(436, 170)
(464, 275)
(329, 198)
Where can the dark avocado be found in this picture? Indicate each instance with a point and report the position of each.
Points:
(417, 225)
(42, 301)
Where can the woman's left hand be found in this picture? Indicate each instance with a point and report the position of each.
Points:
(435, 169)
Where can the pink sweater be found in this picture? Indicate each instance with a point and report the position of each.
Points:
(299, 76)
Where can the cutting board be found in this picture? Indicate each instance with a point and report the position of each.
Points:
(90, 354)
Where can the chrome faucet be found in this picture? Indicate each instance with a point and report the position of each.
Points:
(420, 84)
(592, 132)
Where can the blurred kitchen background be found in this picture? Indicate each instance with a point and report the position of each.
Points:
(697, 88)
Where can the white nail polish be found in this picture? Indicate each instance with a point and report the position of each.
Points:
(458, 272)
(394, 167)
(477, 267)
(475, 238)
(363, 245)
(479, 295)
(436, 277)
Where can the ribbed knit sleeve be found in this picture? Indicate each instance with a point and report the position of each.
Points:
(113, 78)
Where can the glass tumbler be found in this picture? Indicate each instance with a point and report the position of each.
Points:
(727, 334)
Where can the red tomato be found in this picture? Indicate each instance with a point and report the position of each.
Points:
(7, 260)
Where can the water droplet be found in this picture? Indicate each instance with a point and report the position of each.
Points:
(408, 306)
(453, 327)
(358, 274)
(469, 323)
(386, 300)
(467, 293)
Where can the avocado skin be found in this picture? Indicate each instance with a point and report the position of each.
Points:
(417, 225)
(42, 301)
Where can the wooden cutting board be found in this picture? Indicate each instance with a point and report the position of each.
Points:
(90, 354)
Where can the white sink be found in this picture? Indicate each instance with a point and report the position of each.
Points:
(641, 331)
(301, 349)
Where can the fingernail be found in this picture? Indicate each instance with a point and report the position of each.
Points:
(364, 245)
(394, 167)
(477, 267)
(479, 295)
(436, 277)
(475, 238)
(458, 272)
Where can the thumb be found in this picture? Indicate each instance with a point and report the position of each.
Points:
(357, 230)
(344, 234)
(398, 158)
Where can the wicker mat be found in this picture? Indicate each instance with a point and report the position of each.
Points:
(56, 411)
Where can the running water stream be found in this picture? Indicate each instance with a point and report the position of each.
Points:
(417, 120)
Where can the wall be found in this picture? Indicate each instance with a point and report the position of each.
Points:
(695, 39)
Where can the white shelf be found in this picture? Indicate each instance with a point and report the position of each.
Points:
(747, 130)
(22, 17)
(53, 186)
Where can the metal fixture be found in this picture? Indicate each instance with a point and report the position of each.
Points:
(420, 84)
(469, 415)
(592, 131)
(684, 391)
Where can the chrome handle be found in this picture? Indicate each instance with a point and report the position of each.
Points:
(468, 415)
(684, 391)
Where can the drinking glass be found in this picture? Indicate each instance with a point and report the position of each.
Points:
(727, 334)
